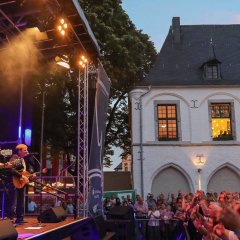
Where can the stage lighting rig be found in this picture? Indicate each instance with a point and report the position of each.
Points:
(62, 26)
(83, 61)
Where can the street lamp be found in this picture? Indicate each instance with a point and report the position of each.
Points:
(199, 161)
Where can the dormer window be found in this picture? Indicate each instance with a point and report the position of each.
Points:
(212, 67)
(212, 72)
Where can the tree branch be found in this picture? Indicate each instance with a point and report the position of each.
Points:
(111, 117)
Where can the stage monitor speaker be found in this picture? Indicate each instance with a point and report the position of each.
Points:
(53, 215)
(7, 230)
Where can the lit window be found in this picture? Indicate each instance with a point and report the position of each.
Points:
(221, 121)
(167, 122)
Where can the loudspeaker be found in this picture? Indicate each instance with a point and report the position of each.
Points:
(53, 215)
(121, 212)
(7, 230)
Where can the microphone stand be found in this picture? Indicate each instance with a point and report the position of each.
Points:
(40, 202)
(63, 170)
(39, 218)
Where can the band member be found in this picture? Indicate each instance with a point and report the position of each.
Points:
(7, 188)
(19, 165)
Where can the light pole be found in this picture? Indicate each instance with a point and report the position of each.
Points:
(42, 131)
(199, 162)
(20, 110)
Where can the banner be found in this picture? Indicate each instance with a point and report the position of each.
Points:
(120, 194)
(95, 171)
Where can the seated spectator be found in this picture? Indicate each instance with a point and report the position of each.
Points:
(70, 206)
(32, 206)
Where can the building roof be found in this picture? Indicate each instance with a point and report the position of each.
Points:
(118, 167)
(179, 62)
(115, 181)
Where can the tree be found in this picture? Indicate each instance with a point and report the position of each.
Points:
(128, 56)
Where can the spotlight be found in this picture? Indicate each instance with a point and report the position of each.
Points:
(62, 27)
(62, 61)
(83, 61)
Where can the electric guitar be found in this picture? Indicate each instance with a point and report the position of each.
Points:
(21, 182)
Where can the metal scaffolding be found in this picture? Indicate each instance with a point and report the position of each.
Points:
(82, 150)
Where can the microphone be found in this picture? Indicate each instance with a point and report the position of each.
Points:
(33, 153)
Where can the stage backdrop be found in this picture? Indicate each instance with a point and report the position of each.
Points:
(97, 143)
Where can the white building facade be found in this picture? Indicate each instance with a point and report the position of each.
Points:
(185, 126)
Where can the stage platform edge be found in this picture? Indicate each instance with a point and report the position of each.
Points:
(70, 228)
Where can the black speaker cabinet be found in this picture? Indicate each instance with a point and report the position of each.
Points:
(53, 215)
(121, 212)
(7, 230)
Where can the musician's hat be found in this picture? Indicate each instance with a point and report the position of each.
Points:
(21, 147)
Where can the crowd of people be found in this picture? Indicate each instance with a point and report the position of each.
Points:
(198, 216)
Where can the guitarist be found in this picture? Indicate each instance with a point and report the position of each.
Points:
(18, 164)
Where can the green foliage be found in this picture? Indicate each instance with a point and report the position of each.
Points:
(128, 56)
(60, 89)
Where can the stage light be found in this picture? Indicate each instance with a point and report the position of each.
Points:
(62, 27)
(83, 61)
(28, 136)
(19, 132)
(63, 61)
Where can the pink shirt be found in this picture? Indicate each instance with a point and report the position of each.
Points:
(141, 209)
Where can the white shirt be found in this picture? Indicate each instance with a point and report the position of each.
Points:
(152, 216)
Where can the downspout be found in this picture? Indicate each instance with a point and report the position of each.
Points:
(141, 140)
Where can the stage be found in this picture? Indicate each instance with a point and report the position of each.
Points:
(77, 229)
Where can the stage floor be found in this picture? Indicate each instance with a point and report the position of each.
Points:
(33, 230)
